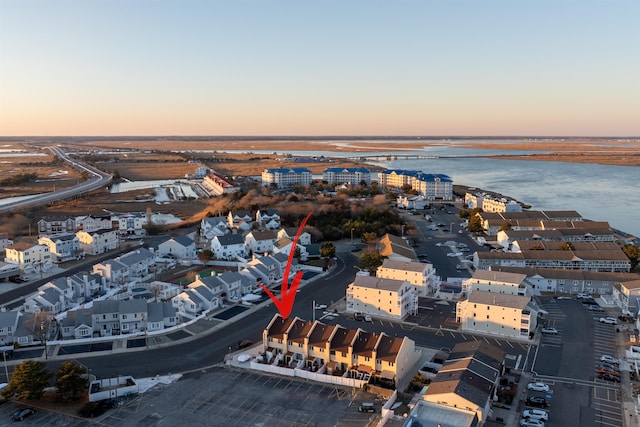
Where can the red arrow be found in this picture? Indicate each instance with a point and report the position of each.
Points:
(285, 304)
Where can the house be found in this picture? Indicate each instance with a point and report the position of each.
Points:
(513, 316)
(304, 239)
(56, 226)
(214, 226)
(132, 316)
(62, 247)
(286, 177)
(93, 223)
(194, 300)
(138, 262)
(112, 270)
(395, 248)
(432, 414)
(181, 247)
(499, 282)
(161, 315)
(336, 350)
(106, 317)
(382, 297)
(98, 242)
(28, 256)
(260, 241)
(235, 284)
(347, 175)
(28, 331)
(229, 246)
(130, 225)
(77, 324)
(55, 296)
(626, 296)
(8, 269)
(468, 379)
(421, 275)
(240, 220)
(284, 245)
(411, 202)
(8, 327)
(4, 243)
(268, 218)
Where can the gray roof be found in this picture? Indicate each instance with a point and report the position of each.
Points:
(168, 310)
(77, 318)
(204, 291)
(60, 283)
(50, 295)
(230, 239)
(281, 257)
(104, 307)
(184, 241)
(8, 318)
(136, 256)
(154, 310)
(133, 306)
(115, 264)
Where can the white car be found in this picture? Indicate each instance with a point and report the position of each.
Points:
(609, 320)
(538, 387)
(321, 306)
(531, 422)
(608, 359)
(549, 331)
(368, 318)
(536, 414)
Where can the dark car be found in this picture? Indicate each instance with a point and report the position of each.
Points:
(358, 316)
(23, 413)
(537, 402)
(366, 407)
(609, 377)
(243, 344)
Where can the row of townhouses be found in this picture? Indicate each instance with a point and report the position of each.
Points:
(490, 204)
(130, 224)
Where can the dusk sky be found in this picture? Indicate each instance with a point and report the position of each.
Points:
(347, 67)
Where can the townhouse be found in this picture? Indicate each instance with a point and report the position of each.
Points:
(5, 242)
(56, 226)
(382, 297)
(55, 296)
(8, 327)
(513, 316)
(240, 220)
(500, 282)
(286, 177)
(181, 247)
(28, 256)
(336, 350)
(98, 242)
(77, 324)
(62, 247)
(422, 276)
(260, 241)
(352, 176)
(506, 238)
(130, 225)
(228, 247)
(92, 223)
(268, 218)
(284, 245)
(214, 226)
(138, 262)
(194, 300)
(626, 296)
(290, 232)
(235, 284)
(112, 270)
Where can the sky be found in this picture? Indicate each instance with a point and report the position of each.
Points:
(330, 67)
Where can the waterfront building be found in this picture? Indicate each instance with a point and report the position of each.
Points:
(430, 186)
(286, 177)
(352, 176)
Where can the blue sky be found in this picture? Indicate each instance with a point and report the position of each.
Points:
(153, 67)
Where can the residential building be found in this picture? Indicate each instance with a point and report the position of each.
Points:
(284, 245)
(395, 248)
(138, 262)
(422, 276)
(513, 316)
(286, 177)
(626, 296)
(217, 184)
(229, 246)
(8, 269)
(92, 223)
(294, 342)
(260, 241)
(160, 315)
(196, 299)
(240, 220)
(132, 316)
(130, 225)
(112, 270)
(235, 284)
(28, 256)
(98, 242)
(106, 317)
(55, 296)
(56, 226)
(432, 414)
(405, 201)
(347, 175)
(290, 232)
(214, 226)
(77, 324)
(499, 282)
(382, 297)
(430, 186)
(491, 204)
(8, 327)
(268, 218)
(181, 247)
(4, 243)
(62, 247)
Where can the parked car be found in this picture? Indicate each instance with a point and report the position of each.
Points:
(549, 331)
(609, 320)
(609, 377)
(358, 316)
(536, 414)
(243, 344)
(538, 387)
(608, 359)
(582, 295)
(531, 422)
(611, 366)
(607, 371)
(368, 318)
(321, 306)
(536, 402)
(366, 407)
(23, 413)
(595, 308)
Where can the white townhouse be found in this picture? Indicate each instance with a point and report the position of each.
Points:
(4, 243)
(290, 232)
(54, 297)
(214, 226)
(181, 247)
(216, 184)
(112, 270)
(421, 275)
(499, 282)
(381, 297)
(160, 315)
(216, 286)
(236, 284)
(106, 317)
(229, 246)
(240, 220)
(8, 269)
(132, 316)
(86, 285)
(130, 225)
(98, 242)
(513, 316)
(353, 176)
(138, 262)
(8, 327)
(286, 177)
(28, 256)
(260, 241)
(56, 226)
(194, 300)
(284, 245)
(63, 247)
(77, 324)
(93, 223)
(268, 218)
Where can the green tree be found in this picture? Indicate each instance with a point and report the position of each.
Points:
(370, 261)
(71, 381)
(28, 381)
(633, 253)
(475, 224)
(328, 250)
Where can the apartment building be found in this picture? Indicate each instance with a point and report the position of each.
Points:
(422, 276)
(56, 226)
(430, 186)
(98, 242)
(91, 223)
(286, 177)
(626, 296)
(382, 297)
(28, 256)
(499, 282)
(347, 175)
(62, 247)
(217, 184)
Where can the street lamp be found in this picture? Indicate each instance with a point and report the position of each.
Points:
(451, 226)
(352, 235)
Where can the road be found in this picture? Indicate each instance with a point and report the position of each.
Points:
(98, 180)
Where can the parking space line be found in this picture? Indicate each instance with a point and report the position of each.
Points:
(509, 342)
(487, 341)
(452, 334)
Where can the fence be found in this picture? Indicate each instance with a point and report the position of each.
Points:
(313, 376)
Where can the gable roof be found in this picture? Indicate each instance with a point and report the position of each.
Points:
(230, 239)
